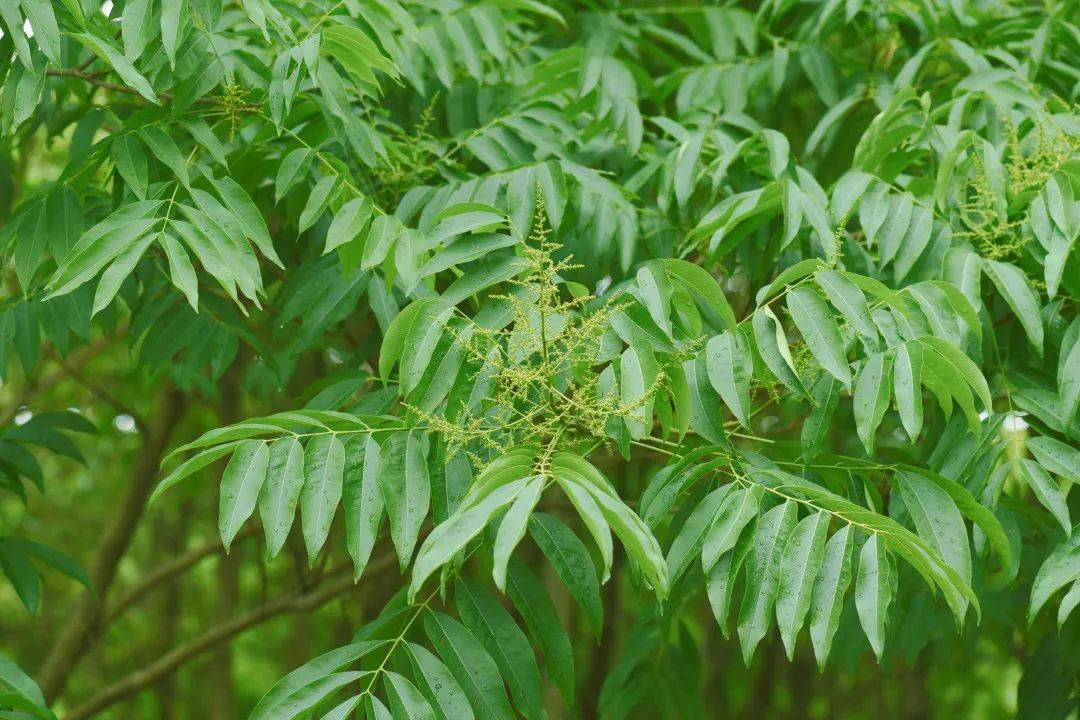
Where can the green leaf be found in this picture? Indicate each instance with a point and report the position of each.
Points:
(324, 468)
(827, 596)
(722, 577)
(406, 490)
(1060, 568)
(181, 271)
(826, 393)
(871, 397)
(938, 520)
(362, 500)
(102, 243)
(513, 527)
(348, 222)
(280, 701)
(173, 20)
(799, 567)
(117, 272)
(123, 67)
(438, 685)
(164, 149)
(240, 204)
(1015, 288)
(12, 676)
(692, 535)
(772, 344)
(1047, 491)
(496, 630)
(1056, 456)
(907, 386)
(277, 502)
(406, 701)
(191, 466)
(573, 564)
(470, 664)
(818, 327)
(291, 171)
(542, 620)
(874, 592)
(704, 289)
(240, 486)
(738, 510)
(846, 297)
(317, 202)
(730, 367)
(763, 576)
(452, 535)
(409, 323)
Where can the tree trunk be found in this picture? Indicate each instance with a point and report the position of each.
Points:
(77, 635)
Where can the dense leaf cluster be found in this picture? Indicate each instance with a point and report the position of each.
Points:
(764, 292)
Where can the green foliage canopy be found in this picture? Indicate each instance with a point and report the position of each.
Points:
(754, 297)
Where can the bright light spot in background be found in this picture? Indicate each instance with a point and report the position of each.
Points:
(23, 416)
(27, 29)
(333, 357)
(983, 415)
(124, 423)
(106, 8)
(603, 284)
(1014, 422)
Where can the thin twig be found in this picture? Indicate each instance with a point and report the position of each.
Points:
(184, 653)
(169, 572)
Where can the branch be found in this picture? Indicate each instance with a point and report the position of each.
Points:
(103, 393)
(168, 663)
(76, 637)
(117, 87)
(169, 572)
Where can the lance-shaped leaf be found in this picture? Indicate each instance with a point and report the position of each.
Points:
(818, 327)
(763, 576)
(496, 630)
(1015, 288)
(846, 297)
(240, 486)
(815, 429)
(324, 468)
(1056, 456)
(799, 568)
(406, 700)
(874, 592)
(513, 527)
(722, 576)
(362, 499)
(907, 386)
(1060, 568)
(772, 344)
(278, 702)
(736, 512)
(542, 620)
(691, 537)
(571, 560)
(280, 494)
(1046, 490)
(405, 487)
(871, 398)
(470, 665)
(938, 521)
(827, 596)
(451, 536)
(728, 360)
(438, 685)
